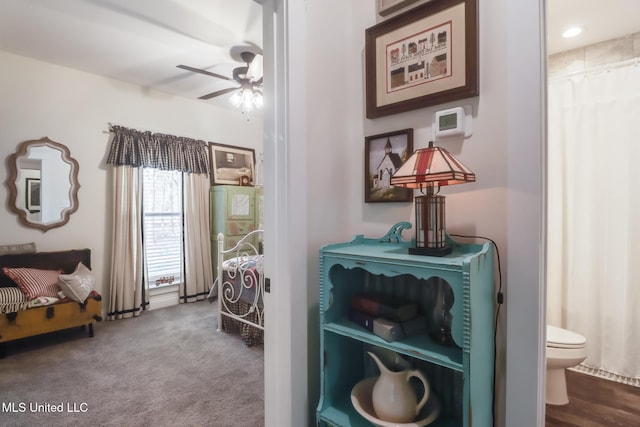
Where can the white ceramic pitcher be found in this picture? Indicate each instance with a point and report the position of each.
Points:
(393, 398)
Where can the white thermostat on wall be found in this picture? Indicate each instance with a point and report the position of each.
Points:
(453, 122)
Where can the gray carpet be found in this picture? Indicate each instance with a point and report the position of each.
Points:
(168, 367)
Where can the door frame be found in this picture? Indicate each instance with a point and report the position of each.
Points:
(285, 214)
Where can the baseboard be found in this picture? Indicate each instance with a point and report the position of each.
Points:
(603, 374)
(164, 297)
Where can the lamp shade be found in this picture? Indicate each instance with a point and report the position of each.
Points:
(431, 167)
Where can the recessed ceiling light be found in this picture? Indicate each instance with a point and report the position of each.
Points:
(571, 32)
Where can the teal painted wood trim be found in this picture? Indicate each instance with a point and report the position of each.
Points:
(482, 335)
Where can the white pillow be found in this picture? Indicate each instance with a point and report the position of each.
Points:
(40, 301)
(77, 285)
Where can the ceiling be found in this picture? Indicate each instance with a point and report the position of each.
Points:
(137, 41)
(601, 19)
(142, 41)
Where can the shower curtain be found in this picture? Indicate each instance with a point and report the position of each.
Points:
(593, 261)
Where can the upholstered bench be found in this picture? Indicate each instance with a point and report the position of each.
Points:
(46, 291)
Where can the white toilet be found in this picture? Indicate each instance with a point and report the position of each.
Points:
(565, 349)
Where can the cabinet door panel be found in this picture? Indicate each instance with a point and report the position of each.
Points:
(235, 228)
(241, 204)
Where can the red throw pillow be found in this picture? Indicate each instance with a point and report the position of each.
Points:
(35, 283)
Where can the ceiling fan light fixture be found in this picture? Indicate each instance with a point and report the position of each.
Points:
(247, 99)
(258, 99)
(247, 96)
(236, 99)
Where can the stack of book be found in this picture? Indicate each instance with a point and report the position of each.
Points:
(390, 319)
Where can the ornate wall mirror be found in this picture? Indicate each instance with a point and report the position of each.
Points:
(43, 184)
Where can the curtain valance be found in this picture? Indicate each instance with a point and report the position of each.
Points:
(131, 147)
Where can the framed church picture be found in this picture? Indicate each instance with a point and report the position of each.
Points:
(383, 155)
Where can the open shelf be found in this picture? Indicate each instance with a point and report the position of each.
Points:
(342, 414)
(420, 346)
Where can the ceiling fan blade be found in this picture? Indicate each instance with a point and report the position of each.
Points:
(255, 68)
(218, 93)
(205, 72)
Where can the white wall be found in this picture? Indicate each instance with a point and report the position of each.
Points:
(74, 108)
(596, 55)
(504, 152)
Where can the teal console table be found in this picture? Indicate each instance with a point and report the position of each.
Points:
(460, 373)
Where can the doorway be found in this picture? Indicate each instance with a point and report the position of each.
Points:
(577, 70)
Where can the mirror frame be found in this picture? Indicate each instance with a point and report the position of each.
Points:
(23, 150)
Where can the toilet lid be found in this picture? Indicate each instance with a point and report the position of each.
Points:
(562, 338)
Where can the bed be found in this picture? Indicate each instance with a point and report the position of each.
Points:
(239, 288)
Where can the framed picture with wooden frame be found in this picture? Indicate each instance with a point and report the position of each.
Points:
(386, 7)
(425, 56)
(32, 194)
(231, 165)
(383, 155)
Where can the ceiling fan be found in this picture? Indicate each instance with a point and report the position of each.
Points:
(248, 77)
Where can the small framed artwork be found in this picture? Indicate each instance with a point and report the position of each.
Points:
(32, 187)
(383, 156)
(385, 7)
(425, 56)
(231, 165)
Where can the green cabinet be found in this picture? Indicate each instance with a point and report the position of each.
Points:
(460, 371)
(235, 211)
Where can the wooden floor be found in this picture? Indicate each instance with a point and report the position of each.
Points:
(594, 402)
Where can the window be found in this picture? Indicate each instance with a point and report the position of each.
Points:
(162, 228)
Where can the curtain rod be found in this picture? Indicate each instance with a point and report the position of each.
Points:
(111, 125)
(108, 131)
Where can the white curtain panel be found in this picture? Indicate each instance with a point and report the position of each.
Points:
(126, 288)
(593, 276)
(197, 244)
